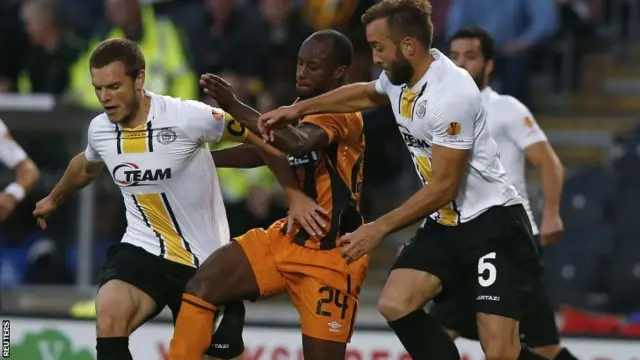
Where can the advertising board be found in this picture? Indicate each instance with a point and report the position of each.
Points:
(49, 339)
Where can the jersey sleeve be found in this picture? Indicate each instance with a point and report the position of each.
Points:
(337, 126)
(90, 152)
(11, 153)
(452, 121)
(382, 84)
(205, 123)
(521, 126)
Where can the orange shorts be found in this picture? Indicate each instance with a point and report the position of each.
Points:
(322, 287)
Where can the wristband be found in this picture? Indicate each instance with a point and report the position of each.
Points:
(16, 191)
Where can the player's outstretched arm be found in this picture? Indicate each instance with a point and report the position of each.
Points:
(448, 167)
(80, 173)
(243, 156)
(452, 122)
(452, 142)
(346, 99)
(292, 140)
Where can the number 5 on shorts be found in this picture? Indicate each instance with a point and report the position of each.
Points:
(332, 296)
(485, 266)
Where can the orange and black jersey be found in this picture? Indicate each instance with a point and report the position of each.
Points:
(333, 176)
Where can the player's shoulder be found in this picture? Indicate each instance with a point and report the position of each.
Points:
(101, 122)
(181, 112)
(3, 127)
(508, 104)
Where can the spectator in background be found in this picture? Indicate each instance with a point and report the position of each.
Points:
(440, 9)
(167, 70)
(46, 265)
(284, 31)
(517, 26)
(228, 45)
(53, 49)
(83, 16)
(13, 41)
(332, 14)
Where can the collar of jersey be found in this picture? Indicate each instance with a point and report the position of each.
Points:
(150, 115)
(437, 59)
(488, 93)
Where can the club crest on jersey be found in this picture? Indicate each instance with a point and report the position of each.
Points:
(130, 174)
(166, 136)
(421, 109)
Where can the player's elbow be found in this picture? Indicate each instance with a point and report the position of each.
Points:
(27, 173)
(298, 148)
(449, 191)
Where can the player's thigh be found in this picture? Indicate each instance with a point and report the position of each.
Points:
(326, 301)
(422, 270)
(507, 272)
(538, 327)
(508, 268)
(320, 349)
(243, 269)
(131, 290)
(457, 316)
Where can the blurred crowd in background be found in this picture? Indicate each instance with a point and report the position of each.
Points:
(253, 44)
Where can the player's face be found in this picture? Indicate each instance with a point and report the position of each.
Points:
(467, 54)
(314, 72)
(387, 53)
(118, 93)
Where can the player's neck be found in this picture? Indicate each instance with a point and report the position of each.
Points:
(141, 115)
(420, 68)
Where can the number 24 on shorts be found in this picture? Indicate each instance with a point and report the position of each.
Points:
(485, 266)
(329, 295)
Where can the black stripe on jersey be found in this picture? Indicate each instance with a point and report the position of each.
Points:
(413, 106)
(118, 139)
(456, 210)
(146, 221)
(149, 137)
(400, 98)
(165, 200)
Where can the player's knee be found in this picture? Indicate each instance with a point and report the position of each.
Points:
(202, 285)
(549, 352)
(452, 334)
(393, 307)
(111, 322)
(498, 351)
(498, 346)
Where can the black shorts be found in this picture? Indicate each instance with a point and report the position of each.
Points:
(537, 328)
(164, 281)
(492, 260)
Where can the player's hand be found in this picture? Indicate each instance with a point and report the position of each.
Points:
(361, 242)
(276, 119)
(7, 206)
(304, 211)
(220, 90)
(551, 228)
(44, 208)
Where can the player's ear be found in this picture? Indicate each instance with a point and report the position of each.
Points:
(140, 81)
(408, 46)
(488, 69)
(340, 72)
